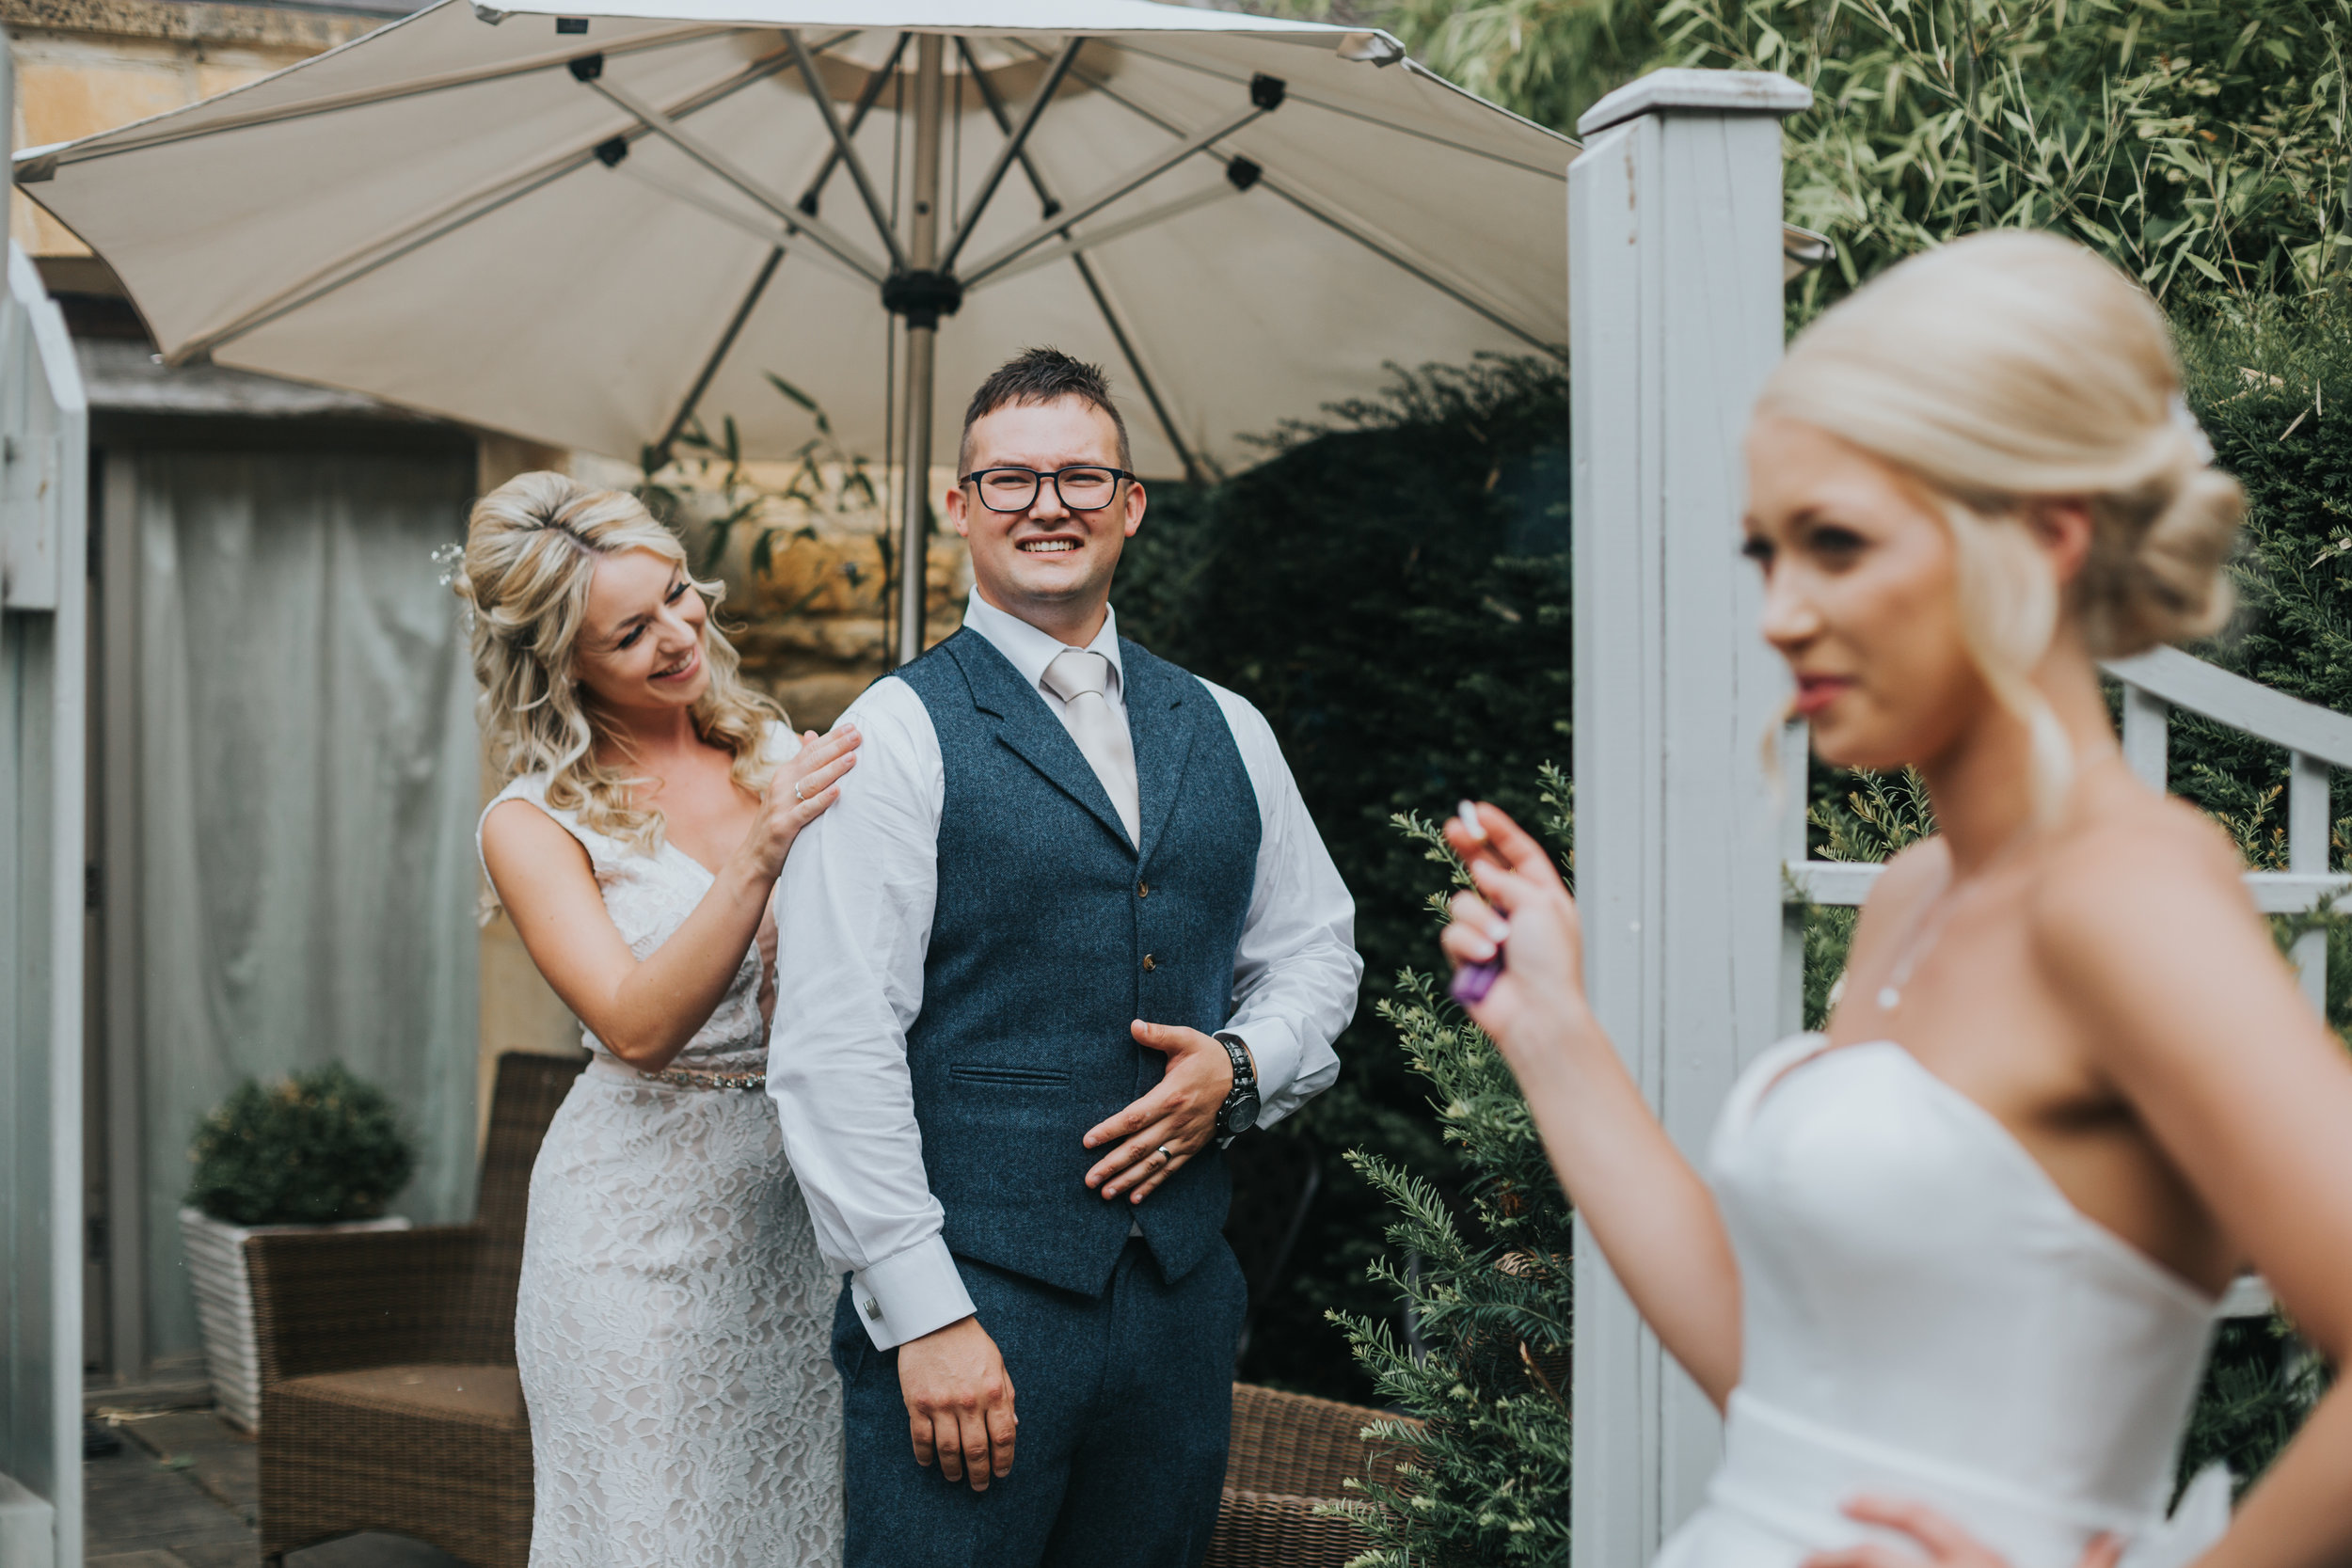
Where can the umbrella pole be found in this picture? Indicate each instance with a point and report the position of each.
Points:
(922, 335)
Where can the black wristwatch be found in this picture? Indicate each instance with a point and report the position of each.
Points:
(1239, 1112)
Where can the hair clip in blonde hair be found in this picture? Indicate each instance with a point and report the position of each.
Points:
(450, 557)
(2187, 421)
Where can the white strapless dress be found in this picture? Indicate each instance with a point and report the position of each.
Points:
(1926, 1316)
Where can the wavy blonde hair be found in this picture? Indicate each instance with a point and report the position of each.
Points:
(2014, 367)
(531, 546)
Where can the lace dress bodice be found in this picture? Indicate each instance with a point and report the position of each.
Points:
(1926, 1316)
(673, 1325)
(649, 896)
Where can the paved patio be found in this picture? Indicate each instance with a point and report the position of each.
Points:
(184, 1492)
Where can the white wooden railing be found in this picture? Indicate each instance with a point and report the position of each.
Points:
(2315, 739)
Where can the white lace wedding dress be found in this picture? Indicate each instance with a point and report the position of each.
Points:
(1925, 1316)
(674, 1326)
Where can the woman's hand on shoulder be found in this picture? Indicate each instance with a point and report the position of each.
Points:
(805, 785)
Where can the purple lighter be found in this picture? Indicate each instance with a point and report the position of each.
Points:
(1471, 982)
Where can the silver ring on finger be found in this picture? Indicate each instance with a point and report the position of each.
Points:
(796, 791)
(1165, 1155)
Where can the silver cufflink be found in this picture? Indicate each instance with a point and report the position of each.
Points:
(873, 1310)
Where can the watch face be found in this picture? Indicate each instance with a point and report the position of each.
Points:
(1242, 1115)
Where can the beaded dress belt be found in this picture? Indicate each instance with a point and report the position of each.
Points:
(694, 1078)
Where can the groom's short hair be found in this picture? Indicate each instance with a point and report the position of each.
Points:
(1041, 376)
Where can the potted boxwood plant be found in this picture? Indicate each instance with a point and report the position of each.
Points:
(319, 1151)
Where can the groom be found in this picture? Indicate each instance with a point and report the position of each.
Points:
(1067, 931)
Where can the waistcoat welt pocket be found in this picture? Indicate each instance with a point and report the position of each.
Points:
(1016, 1077)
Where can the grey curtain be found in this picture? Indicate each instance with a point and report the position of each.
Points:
(309, 780)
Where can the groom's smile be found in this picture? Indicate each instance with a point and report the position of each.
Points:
(1045, 502)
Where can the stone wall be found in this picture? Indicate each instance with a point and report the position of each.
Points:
(813, 626)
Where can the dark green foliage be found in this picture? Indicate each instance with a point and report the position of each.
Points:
(1391, 588)
(2259, 1385)
(1488, 1288)
(309, 1149)
(2265, 382)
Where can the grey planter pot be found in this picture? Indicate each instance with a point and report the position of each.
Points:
(224, 1303)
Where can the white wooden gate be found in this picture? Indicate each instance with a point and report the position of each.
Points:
(44, 428)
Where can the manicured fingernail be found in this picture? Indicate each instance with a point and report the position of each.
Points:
(1479, 949)
(1468, 811)
(1499, 931)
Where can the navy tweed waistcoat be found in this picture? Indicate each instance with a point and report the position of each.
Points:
(1052, 932)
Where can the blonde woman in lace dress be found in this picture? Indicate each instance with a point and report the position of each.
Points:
(674, 1319)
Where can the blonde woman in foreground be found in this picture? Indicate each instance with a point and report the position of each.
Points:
(673, 1322)
(1950, 1274)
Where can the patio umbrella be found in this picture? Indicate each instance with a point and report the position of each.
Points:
(588, 222)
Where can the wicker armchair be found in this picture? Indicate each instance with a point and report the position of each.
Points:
(1290, 1453)
(388, 1395)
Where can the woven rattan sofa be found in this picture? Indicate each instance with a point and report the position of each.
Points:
(389, 1393)
(389, 1400)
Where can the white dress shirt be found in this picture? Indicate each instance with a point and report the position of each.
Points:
(854, 913)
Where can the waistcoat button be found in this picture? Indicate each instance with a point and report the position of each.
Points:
(1148, 963)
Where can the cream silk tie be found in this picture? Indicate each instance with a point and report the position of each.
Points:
(1079, 677)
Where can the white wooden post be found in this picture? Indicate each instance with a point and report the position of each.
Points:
(1674, 318)
(43, 455)
(2307, 854)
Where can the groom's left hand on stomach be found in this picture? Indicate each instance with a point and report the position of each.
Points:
(1179, 1114)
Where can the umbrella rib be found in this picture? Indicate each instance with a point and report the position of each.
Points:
(718, 163)
(867, 98)
(1457, 293)
(1101, 298)
(1004, 124)
(766, 232)
(1328, 107)
(1454, 291)
(355, 264)
(1016, 143)
(718, 357)
(1151, 171)
(45, 166)
(847, 149)
(1135, 363)
(1078, 244)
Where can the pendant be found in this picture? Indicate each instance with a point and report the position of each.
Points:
(1889, 999)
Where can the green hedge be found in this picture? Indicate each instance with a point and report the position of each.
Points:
(1391, 588)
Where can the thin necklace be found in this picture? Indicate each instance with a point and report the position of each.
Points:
(1929, 927)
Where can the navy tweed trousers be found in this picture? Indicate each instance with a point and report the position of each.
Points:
(1125, 1405)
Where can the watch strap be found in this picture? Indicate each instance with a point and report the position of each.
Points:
(1244, 1067)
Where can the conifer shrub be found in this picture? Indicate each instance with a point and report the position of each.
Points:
(312, 1148)
(1487, 1288)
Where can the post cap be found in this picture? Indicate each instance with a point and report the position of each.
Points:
(1681, 90)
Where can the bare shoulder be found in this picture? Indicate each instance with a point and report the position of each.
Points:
(1915, 873)
(2136, 855)
(518, 838)
(2143, 896)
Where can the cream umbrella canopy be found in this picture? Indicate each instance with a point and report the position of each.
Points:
(589, 223)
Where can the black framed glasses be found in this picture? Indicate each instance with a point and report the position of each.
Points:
(1085, 488)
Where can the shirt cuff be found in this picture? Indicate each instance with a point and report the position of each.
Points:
(908, 1294)
(1274, 1047)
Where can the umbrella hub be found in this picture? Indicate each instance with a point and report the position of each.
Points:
(922, 295)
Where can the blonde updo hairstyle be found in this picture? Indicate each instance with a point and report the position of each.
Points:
(2012, 367)
(531, 546)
